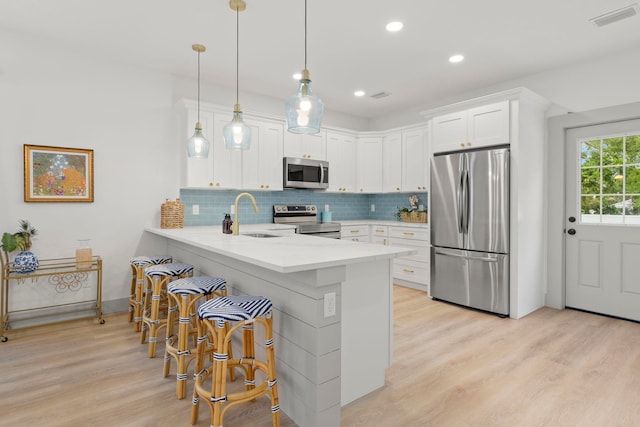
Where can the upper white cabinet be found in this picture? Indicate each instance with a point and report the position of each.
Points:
(369, 165)
(415, 160)
(341, 155)
(305, 146)
(262, 163)
(222, 168)
(476, 127)
(392, 163)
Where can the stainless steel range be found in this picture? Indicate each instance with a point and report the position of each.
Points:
(305, 217)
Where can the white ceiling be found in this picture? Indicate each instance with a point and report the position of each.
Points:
(348, 47)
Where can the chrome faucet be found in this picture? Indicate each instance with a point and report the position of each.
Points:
(236, 223)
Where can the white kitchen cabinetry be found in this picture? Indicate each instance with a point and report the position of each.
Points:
(412, 270)
(415, 160)
(379, 234)
(476, 127)
(305, 146)
(369, 165)
(355, 233)
(221, 170)
(262, 163)
(341, 155)
(392, 163)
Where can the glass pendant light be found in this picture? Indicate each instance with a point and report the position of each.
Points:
(237, 135)
(197, 145)
(304, 110)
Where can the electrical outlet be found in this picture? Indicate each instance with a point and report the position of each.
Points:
(326, 208)
(373, 207)
(232, 210)
(330, 304)
(420, 207)
(195, 209)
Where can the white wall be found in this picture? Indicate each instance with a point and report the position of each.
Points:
(60, 97)
(598, 83)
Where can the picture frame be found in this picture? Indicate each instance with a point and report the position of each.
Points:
(57, 174)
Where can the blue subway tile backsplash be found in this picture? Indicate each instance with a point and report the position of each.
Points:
(214, 204)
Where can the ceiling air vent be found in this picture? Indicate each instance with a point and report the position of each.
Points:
(615, 15)
(379, 95)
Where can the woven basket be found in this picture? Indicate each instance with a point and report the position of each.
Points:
(172, 214)
(413, 216)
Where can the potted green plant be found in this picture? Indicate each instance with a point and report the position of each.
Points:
(25, 261)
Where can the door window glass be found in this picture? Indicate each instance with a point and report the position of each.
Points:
(610, 180)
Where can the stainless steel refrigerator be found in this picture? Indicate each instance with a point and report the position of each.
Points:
(470, 228)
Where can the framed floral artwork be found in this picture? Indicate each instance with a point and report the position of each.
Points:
(57, 174)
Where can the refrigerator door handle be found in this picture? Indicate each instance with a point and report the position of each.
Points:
(465, 212)
(460, 198)
(488, 258)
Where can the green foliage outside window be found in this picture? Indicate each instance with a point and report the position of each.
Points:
(610, 176)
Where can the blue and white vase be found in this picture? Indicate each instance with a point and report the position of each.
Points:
(25, 262)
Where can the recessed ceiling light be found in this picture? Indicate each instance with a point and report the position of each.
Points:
(456, 58)
(358, 93)
(394, 26)
(297, 76)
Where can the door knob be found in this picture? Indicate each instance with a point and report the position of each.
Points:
(571, 231)
(572, 219)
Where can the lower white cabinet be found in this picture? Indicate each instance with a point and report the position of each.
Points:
(412, 270)
(355, 233)
(379, 234)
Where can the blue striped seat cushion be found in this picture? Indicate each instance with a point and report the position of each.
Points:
(154, 259)
(235, 308)
(172, 269)
(197, 285)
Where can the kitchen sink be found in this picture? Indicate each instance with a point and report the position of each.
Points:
(260, 235)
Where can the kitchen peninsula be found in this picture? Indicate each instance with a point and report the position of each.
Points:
(333, 312)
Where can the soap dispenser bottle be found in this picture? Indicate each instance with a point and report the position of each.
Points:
(226, 224)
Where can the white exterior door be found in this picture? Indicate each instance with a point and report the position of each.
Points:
(602, 224)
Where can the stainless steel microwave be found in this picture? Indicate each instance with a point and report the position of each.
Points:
(305, 173)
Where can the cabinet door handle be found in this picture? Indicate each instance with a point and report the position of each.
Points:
(378, 230)
(406, 233)
(407, 270)
(355, 231)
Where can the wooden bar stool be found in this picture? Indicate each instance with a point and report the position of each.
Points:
(186, 293)
(214, 317)
(138, 264)
(155, 295)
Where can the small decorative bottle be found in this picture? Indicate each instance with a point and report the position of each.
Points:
(226, 224)
(83, 254)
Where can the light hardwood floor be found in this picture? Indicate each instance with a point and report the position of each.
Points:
(453, 368)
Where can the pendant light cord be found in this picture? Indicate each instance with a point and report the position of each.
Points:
(305, 34)
(238, 54)
(198, 86)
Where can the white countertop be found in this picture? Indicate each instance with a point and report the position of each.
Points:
(383, 222)
(285, 254)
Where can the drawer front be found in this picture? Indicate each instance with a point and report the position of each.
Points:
(356, 233)
(379, 230)
(411, 271)
(409, 233)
